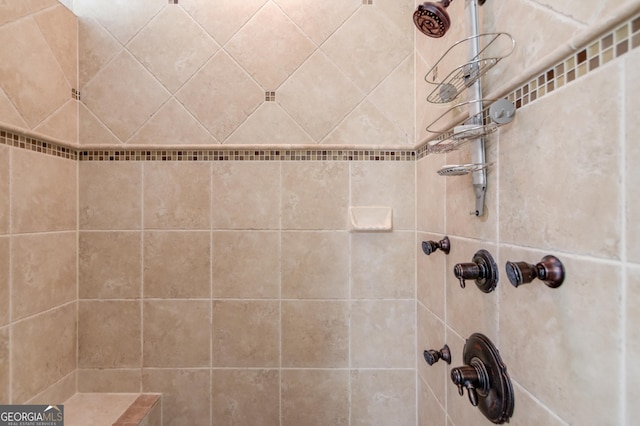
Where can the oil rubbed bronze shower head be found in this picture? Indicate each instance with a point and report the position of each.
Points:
(432, 19)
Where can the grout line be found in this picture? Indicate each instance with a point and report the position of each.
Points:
(623, 143)
(142, 300)
(11, 260)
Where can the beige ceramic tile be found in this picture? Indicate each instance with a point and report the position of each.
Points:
(333, 12)
(391, 184)
(468, 309)
(91, 131)
(122, 18)
(177, 333)
(225, 19)
(367, 125)
(315, 195)
(529, 411)
(109, 265)
(4, 366)
(30, 73)
(431, 274)
(96, 47)
(315, 265)
(397, 11)
(59, 27)
(248, 397)
(430, 194)
(584, 162)
(430, 412)
(109, 334)
(4, 280)
(103, 380)
(550, 27)
(43, 272)
(173, 125)
(221, 96)
(325, 403)
(10, 11)
(366, 56)
(383, 334)
(431, 335)
(62, 124)
(383, 397)
(315, 334)
(383, 265)
(632, 155)
(5, 173)
(110, 195)
(124, 95)
(246, 195)
(562, 321)
(43, 192)
(172, 46)
(54, 333)
(186, 395)
(270, 125)
(246, 333)
(9, 113)
(318, 96)
(177, 264)
(632, 342)
(588, 11)
(58, 392)
(177, 195)
(37, 5)
(84, 408)
(270, 46)
(394, 97)
(245, 264)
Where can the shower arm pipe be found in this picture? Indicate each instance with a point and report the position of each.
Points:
(479, 177)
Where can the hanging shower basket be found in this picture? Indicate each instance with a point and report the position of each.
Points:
(456, 129)
(495, 46)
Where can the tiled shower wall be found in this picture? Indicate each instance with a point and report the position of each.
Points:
(38, 204)
(563, 182)
(237, 290)
(257, 72)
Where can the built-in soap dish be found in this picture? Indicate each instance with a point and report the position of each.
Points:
(371, 218)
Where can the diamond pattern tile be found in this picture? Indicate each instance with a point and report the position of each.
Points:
(96, 47)
(221, 96)
(172, 122)
(318, 96)
(29, 73)
(270, 46)
(60, 30)
(368, 47)
(270, 125)
(8, 112)
(122, 18)
(173, 47)
(333, 13)
(224, 18)
(366, 125)
(124, 95)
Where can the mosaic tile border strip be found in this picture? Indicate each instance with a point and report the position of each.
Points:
(37, 145)
(208, 154)
(612, 45)
(247, 155)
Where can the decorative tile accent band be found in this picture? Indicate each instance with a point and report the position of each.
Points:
(37, 145)
(247, 155)
(610, 46)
